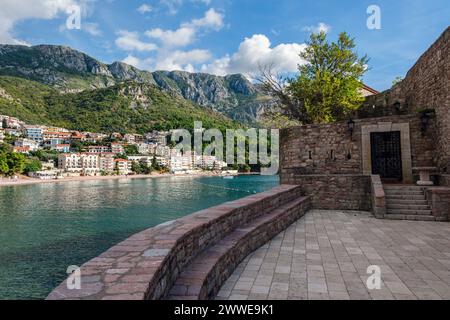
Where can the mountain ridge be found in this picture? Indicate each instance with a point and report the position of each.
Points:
(70, 70)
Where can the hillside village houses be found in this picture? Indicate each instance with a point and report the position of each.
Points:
(105, 156)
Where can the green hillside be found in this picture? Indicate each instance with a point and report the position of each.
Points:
(126, 107)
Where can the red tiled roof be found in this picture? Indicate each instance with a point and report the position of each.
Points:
(366, 87)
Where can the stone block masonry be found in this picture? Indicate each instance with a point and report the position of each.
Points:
(146, 265)
(334, 167)
(426, 85)
(331, 149)
(331, 192)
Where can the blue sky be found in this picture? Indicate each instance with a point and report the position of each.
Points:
(228, 36)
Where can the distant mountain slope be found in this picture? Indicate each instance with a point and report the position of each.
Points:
(70, 71)
(125, 107)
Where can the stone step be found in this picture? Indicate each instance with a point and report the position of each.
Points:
(410, 217)
(205, 274)
(408, 206)
(406, 202)
(405, 197)
(410, 188)
(409, 212)
(404, 192)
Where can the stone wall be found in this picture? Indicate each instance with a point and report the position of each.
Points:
(444, 180)
(426, 85)
(330, 149)
(439, 199)
(315, 157)
(333, 192)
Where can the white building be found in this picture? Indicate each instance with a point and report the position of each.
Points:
(181, 163)
(35, 133)
(158, 137)
(61, 148)
(83, 163)
(123, 166)
(146, 160)
(31, 144)
(117, 148)
(143, 148)
(209, 163)
(163, 151)
(99, 149)
(107, 163)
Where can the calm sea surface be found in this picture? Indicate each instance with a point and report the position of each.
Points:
(46, 228)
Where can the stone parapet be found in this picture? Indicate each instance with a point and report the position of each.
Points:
(146, 265)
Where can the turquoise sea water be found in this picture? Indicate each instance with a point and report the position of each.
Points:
(46, 228)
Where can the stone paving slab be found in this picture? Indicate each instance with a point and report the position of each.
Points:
(325, 255)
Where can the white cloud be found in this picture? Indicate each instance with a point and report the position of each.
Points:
(91, 28)
(13, 11)
(172, 5)
(129, 41)
(176, 60)
(318, 28)
(145, 8)
(255, 52)
(182, 60)
(167, 56)
(187, 32)
(177, 38)
(144, 64)
(212, 19)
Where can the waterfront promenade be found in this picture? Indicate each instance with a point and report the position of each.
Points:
(325, 255)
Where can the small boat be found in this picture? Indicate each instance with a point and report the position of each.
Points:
(228, 177)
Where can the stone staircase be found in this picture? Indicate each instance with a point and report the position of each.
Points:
(407, 203)
(203, 277)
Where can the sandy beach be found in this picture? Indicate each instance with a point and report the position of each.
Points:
(23, 180)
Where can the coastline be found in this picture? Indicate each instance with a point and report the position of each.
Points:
(31, 181)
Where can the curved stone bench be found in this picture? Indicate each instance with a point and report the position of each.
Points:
(146, 265)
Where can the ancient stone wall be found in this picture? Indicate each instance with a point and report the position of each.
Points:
(334, 192)
(327, 161)
(426, 85)
(444, 180)
(330, 149)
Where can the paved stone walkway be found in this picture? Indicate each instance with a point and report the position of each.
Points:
(325, 255)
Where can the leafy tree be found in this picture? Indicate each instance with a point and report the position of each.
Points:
(146, 169)
(328, 86)
(5, 148)
(131, 149)
(397, 80)
(136, 167)
(78, 146)
(155, 164)
(45, 155)
(32, 165)
(16, 163)
(4, 168)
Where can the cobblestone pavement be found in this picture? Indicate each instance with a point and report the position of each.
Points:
(325, 255)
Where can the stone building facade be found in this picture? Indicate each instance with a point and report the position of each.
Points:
(426, 86)
(410, 123)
